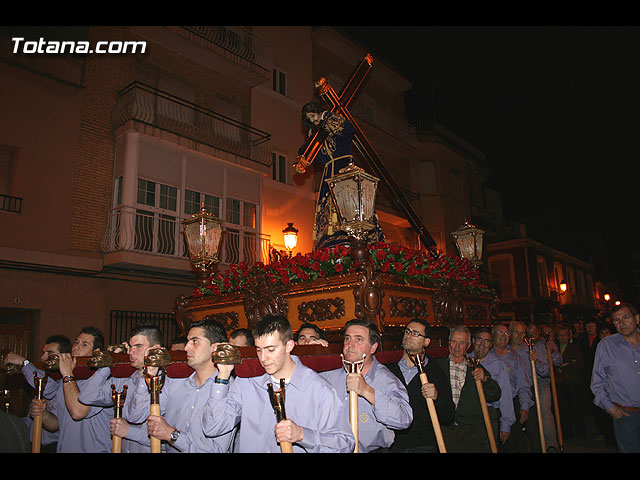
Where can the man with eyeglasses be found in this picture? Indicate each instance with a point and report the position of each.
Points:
(501, 411)
(420, 436)
(383, 401)
(521, 382)
(615, 380)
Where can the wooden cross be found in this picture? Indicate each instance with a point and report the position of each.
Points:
(339, 103)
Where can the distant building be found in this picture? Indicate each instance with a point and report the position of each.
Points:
(530, 276)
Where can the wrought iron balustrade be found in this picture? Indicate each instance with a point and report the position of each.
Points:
(157, 233)
(235, 40)
(10, 204)
(164, 111)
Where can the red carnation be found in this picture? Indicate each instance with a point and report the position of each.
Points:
(398, 266)
(339, 267)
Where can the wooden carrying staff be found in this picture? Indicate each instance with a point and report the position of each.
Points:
(536, 390)
(118, 403)
(157, 357)
(554, 391)
(39, 383)
(418, 361)
(277, 401)
(353, 367)
(475, 363)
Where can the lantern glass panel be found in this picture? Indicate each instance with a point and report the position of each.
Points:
(347, 198)
(466, 244)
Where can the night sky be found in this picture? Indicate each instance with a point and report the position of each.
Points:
(555, 110)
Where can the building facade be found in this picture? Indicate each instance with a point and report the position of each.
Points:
(530, 276)
(105, 154)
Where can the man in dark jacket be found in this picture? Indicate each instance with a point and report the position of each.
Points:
(420, 436)
(468, 433)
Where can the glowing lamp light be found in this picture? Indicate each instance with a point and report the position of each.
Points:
(607, 297)
(203, 234)
(617, 302)
(469, 241)
(563, 288)
(290, 236)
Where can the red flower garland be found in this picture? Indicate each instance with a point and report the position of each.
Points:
(415, 265)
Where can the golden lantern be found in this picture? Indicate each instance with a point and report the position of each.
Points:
(354, 195)
(469, 241)
(203, 234)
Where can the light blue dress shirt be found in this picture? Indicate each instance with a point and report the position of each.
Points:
(392, 410)
(310, 402)
(500, 374)
(89, 435)
(97, 391)
(181, 404)
(520, 376)
(616, 373)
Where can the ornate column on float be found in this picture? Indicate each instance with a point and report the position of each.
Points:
(354, 194)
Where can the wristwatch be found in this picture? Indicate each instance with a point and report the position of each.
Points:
(25, 362)
(174, 436)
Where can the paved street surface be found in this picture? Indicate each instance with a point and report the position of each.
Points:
(591, 443)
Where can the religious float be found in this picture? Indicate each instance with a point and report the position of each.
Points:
(389, 285)
(350, 274)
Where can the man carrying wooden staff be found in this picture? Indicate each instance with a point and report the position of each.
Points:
(429, 393)
(40, 383)
(383, 401)
(53, 346)
(277, 399)
(156, 360)
(468, 432)
(536, 389)
(356, 368)
(97, 390)
(118, 403)
(315, 419)
(178, 425)
(554, 387)
(501, 412)
(543, 370)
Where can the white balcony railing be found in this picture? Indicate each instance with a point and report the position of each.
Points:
(156, 233)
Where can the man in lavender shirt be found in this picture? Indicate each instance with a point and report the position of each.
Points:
(83, 429)
(615, 380)
(501, 411)
(182, 400)
(53, 345)
(315, 421)
(97, 390)
(520, 378)
(383, 401)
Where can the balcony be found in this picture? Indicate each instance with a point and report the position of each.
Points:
(155, 234)
(10, 204)
(235, 43)
(141, 103)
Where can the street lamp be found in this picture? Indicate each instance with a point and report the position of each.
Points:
(290, 237)
(563, 287)
(469, 240)
(203, 234)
